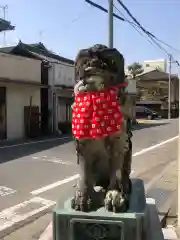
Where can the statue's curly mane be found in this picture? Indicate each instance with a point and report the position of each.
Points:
(100, 58)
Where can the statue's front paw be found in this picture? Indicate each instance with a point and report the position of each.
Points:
(81, 202)
(114, 201)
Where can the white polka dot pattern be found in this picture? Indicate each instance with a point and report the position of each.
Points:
(96, 114)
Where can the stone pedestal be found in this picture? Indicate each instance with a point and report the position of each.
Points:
(69, 224)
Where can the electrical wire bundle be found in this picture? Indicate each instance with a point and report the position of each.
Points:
(153, 40)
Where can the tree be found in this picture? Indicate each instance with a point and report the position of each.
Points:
(135, 69)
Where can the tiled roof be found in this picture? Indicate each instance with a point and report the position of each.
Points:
(38, 50)
(5, 25)
(154, 75)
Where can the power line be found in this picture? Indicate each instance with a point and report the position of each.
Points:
(149, 34)
(170, 57)
(118, 17)
(154, 43)
(103, 9)
(175, 49)
(135, 27)
(75, 19)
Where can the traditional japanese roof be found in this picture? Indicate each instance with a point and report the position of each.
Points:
(5, 25)
(37, 50)
(154, 75)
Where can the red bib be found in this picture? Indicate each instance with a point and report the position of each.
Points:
(96, 114)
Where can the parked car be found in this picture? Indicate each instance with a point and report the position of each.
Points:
(144, 112)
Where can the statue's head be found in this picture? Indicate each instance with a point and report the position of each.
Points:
(101, 63)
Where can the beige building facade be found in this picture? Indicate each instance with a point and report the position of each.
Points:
(20, 84)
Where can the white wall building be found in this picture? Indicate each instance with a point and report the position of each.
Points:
(20, 83)
(61, 81)
(150, 65)
(64, 74)
(64, 83)
(131, 88)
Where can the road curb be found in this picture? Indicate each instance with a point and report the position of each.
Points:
(47, 234)
(170, 233)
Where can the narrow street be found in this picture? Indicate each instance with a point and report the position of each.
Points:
(34, 176)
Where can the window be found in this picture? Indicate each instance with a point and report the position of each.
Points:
(147, 65)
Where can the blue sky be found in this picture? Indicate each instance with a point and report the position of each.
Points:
(65, 26)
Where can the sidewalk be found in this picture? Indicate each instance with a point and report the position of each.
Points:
(164, 191)
(171, 218)
(168, 210)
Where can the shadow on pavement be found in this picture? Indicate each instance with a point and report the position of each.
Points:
(147, 125)
(9, 153)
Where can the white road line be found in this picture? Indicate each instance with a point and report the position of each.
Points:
(4, 191)
(52, 160)
(35, 158)
(56, 184)
(34, 142)
(12, 216)
(55, 160)
(154, 146)
(59, 161)
(76, 176)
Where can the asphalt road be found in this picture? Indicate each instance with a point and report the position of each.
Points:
(33, 176)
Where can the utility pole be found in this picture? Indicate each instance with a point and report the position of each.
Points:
(4, 8)
(110, 18)
(178, 185)
(110, 23)
(169, 88)
(178, 201)
(178, 163)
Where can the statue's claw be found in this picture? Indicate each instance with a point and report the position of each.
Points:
(114, 201)
(81, 201)
(81, 204)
